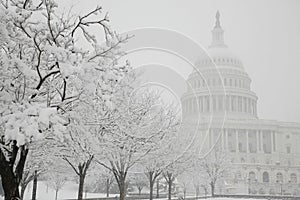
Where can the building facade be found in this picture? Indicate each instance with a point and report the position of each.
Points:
(265, 153)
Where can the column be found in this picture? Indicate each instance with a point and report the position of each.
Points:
(247, 141)
(272, 145)
(226, 139)
(249, 105)
(204, 103)
(274, 141)
(222, 139)
(193, 105)
(230, 103)
(210, 138)
(236, 140)
(237, 104)
(210, 103)
(200, 104)
(247, 111)
(257, 141)
(261, 141)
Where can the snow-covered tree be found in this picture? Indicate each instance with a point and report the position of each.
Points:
(37, 163)
(141, 121)
(213, 168)
(156, 162)
(139, 180)
(153, 168)
(179, 156)
(184, 181)
(56, 178)
(44, 71)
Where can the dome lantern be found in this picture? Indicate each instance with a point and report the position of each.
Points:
(218, 33)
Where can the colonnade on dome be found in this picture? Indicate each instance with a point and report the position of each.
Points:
(219, 103)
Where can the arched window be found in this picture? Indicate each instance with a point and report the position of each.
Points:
(252, 176)
(293, 178)
(279, 177)
(265, 177)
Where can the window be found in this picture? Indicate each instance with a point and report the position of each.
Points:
(266, 177)
(288, 149)
(293, 178)
(279, 177)
(252, 176)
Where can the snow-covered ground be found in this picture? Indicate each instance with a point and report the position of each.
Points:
(69, 191)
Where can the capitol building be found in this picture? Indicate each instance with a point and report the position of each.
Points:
(265, 154)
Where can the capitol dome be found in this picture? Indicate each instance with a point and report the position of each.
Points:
(220, 83)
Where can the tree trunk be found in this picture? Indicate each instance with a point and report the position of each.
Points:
(122, 188)
(140, 190)
(170, 190)
(197, 191)
(80, 188)
(10, 185)
(11, 170)
(81, 172)
(151, 184)
(56, 193)
(34, 188)
(107, 187)
(212, 185)
(22, 192)
(157, 188)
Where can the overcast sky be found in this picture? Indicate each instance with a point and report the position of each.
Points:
(265, 34)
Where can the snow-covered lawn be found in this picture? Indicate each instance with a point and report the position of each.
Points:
(69, 191)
